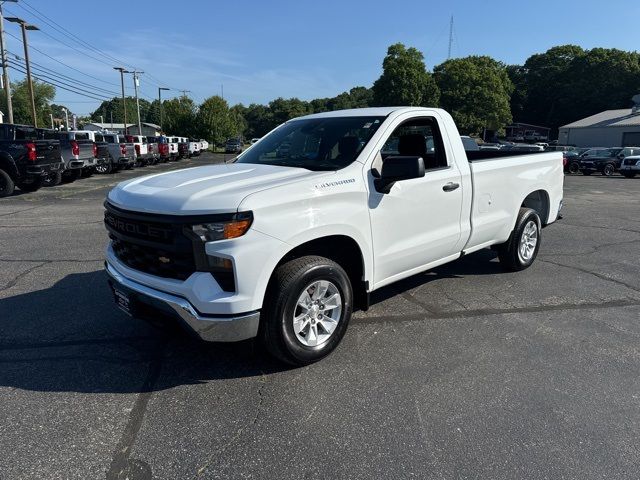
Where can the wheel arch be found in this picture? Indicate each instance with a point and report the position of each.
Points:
(9, 165)
(346, 252)
(538, 200)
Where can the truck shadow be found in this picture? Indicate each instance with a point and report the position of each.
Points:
(71, 338)
(477, 263)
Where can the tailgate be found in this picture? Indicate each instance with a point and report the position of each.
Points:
(47, 152)
(102, 150)
(86, 149)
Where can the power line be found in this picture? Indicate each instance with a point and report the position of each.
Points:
(62, 63)
(56, 26)
(37, 66)
(56, 85)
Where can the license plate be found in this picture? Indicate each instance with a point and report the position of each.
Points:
(122, 300)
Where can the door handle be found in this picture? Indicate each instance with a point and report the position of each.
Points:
(450, 187)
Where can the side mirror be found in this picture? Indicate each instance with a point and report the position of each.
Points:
(395, 169)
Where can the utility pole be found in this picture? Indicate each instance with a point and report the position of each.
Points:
(26, 26)
(124, 102)
(135, 87)
(51, 115)
(160, 103)
(66, 116)
(450, 38)
(5, 67)
(184, 92)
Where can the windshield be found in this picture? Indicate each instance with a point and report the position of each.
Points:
(315, 144)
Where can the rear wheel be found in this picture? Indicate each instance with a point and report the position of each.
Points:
(306, 311)
(574, 167)
(69, 176)
(6, 184)
(105, 167)
(53, 179)
(521, 249)
(609, 169)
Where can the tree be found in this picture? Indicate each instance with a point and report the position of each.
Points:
(43, 93)
(286, 109)
(113, 109)
(259, 120)
(404, 79)
(179, 116)
(214, 120)
(476, 91)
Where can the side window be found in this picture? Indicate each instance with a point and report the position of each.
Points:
(418, 137)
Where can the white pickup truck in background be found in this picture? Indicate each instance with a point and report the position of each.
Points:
(287, 241)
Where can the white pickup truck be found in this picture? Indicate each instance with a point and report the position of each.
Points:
(287, 241)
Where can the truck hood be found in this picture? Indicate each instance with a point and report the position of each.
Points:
(202, 190)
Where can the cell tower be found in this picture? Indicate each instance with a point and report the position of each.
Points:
(450, 37)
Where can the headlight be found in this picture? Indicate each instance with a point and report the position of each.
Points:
(223, 230)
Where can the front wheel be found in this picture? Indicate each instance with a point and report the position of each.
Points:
(52, 179)
(521, 249)
(306, 311)
(104, 168)
(574, 167)
(608, 170)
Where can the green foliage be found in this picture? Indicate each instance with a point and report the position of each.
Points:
(43, 93)
(114, 106)
(179, 116)
(405, 80)
(476, 91)
(216, 121)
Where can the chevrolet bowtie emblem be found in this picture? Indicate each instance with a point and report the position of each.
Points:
(164, 259)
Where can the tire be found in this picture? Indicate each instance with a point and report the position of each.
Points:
(586, 173)
(609, 169)
(32, 185)
(53, 179)
(104, 168)
(88, 171)
(69, 176)
(283, 301)
(6, 184)
(512, 254)
(629, 174)
(574, 167)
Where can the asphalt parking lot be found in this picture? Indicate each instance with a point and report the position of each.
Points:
(462, 372)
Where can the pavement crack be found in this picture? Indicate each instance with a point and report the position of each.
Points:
(17, 278)
(595, 274)
(239, 432)
(499, 311)
(120, 463)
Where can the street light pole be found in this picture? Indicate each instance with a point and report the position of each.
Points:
(135, 87)
(160, 103)
(5, 66)
(124, 102)
(26, 26)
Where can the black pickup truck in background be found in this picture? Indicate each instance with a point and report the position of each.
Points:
(25, 159)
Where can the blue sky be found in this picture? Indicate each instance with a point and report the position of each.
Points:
(260, 50)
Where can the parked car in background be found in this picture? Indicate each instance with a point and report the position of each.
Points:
(233, 145)
(628, 152)
(143, 158)
(26, 159)
(603, 160)
(254, 140)
(522, 147)
(152, 150)
(173, 148)
(630, 166)
(78, 152)
(162, 147)
(204, 145)
(194, 147)
(183, 147)
(121, 153)
(573, 159)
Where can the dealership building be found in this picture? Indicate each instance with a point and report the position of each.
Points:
(611, 128)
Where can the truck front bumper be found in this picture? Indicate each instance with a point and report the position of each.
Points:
(150, 304)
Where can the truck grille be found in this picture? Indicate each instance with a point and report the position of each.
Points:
(630, 161)
(154, 261)
(148, 244)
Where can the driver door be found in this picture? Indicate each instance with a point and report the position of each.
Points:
(418, 222)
